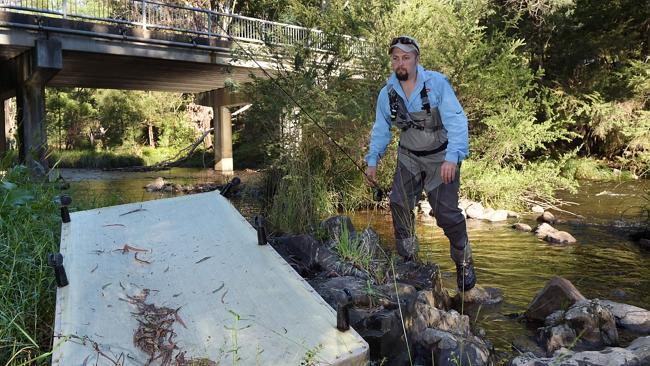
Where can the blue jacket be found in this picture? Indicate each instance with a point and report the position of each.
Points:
(441, 95)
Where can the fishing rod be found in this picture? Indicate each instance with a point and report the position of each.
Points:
(378, 192)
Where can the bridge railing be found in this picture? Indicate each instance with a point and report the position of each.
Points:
(155, 15)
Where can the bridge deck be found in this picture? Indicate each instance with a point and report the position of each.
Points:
(187, 274)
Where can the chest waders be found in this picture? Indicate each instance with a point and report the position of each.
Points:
(422, 148)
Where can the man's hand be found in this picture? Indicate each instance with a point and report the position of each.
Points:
(371, 176)
(448, 172)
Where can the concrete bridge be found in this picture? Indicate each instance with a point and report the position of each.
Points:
(131, 44)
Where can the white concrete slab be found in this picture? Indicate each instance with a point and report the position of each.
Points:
(239, 303)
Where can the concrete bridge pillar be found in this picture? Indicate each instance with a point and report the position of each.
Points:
(220, 100)
(35, 68)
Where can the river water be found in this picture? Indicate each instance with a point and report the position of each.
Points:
(603, 264)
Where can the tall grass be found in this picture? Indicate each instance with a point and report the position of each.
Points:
(29, 224)
(126, 157)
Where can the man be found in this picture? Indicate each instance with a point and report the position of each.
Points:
(433, 143)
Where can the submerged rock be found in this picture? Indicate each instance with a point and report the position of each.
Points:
(546, 217)
(557, 293)
(644, 243)
(553, 235)
(636, 354)
(522, 227)
(479, 295)
(560, 237)
(156, 185)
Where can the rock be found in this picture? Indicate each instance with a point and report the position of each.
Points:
(156, 185)
(546, 217)
(537, 209)
(334, 225)
(314, 255)
(554, 338)
(496, 216)
(331, 290)
(479, 295)
(636, 354)
(369, 242)
(644, 243)
(629, 317)
(522, 227)
(464, 203)
(593, 322)
(382, 329)
(560, 237)
(513, 214)
(427, 316)
(425, 208)
(168, 188)
(421, 276)
(543, 230)
(619, 293)
(558, 292)
(475, 211)
(451, 350)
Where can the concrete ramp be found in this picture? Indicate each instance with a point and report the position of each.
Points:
(182, 281)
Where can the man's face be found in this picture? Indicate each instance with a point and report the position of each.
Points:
(404, 63)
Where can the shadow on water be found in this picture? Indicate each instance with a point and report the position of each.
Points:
(603, 264)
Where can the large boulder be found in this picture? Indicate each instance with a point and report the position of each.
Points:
(557, 293)
(587, 325)
(335, 225)
(629, 317)
(449, 349)
(636, 354)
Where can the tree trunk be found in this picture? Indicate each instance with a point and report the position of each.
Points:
(152, 143)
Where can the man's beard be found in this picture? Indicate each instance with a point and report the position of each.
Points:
(402, 77)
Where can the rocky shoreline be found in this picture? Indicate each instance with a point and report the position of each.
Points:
(408, 318)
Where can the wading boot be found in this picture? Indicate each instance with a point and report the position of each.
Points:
(465, 276)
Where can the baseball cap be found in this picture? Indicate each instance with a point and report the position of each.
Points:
(405, 43)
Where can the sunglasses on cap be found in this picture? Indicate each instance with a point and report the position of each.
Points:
(405, 40)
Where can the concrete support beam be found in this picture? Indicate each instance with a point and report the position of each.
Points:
(220, 100)
(223, 141)
(34, 69)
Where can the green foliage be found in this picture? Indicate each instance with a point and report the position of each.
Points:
(350, 249)
(513, 188)
(73, 114)
(28, 216)
(91, 159)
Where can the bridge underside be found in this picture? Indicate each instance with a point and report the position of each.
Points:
(36, 52)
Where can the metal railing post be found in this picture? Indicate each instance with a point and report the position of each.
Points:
(65, 9)
(209, 24)
(144, 14)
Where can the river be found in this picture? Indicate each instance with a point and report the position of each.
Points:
(603, 264)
